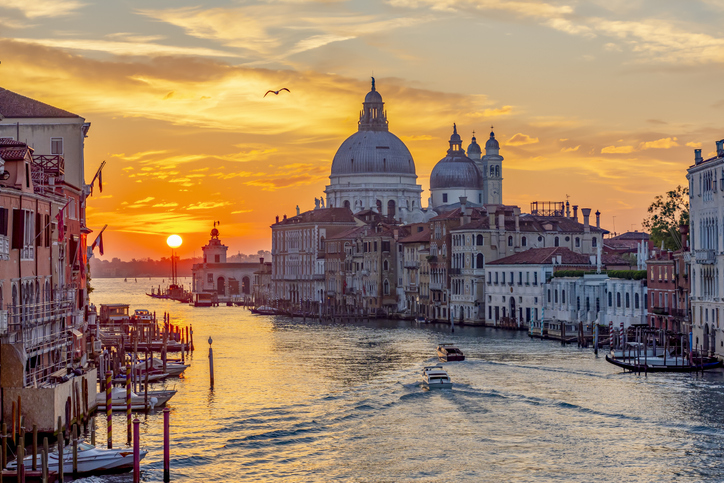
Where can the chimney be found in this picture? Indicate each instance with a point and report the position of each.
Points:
(491, 219)
(464, 216)
(285, 217)
(586, 212)
(598, 219)
(501, 221)
(517, 222)
(697, 156)
(297, 210)
(261, 261)
(575, 213)
(568, 210)
(277, 218)
(720, 148)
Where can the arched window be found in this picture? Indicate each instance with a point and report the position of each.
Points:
(563, 296)
(594, 242)
(555, 296)
(346, 204)
(378, 204)
(510, 241)
(578, 242)
(618, 299)
(479, 240)
(636, 301)
(497, 171)
(549, 295)
(321, 244)
(492, 171)
(578, 303)
(385, 265)
(479, 261)
(524, 241)
(610, 299)
(556, 242)
(391, 208)
(628, 301)
(386, 287)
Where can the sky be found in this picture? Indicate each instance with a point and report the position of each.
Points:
(600, 102)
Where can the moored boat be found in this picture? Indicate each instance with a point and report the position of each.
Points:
(435, 377)
(264, 310)
(448, 352)
(91, 460)
(138, 401)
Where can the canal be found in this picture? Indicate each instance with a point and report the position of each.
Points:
(318, 402)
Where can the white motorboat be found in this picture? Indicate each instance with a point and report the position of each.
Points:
(173, 369)
(143, 314)
(435, 377)
(91, 460)
(138, 401)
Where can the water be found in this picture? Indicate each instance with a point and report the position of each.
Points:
(319, 402)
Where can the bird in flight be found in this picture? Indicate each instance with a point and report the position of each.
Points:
(276, 92)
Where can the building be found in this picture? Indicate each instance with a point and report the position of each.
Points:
(229, 281)
(373, 169)
(663, 271)
(515, 286)
(414, 290)
(298, 251)
(706, 210)
(262, 285)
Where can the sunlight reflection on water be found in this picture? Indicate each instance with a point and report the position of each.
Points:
(310, 401)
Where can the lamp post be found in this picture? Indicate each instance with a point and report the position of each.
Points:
(173, 241)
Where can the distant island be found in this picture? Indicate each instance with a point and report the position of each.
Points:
(147, 267)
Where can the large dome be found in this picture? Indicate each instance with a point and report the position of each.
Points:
(376, 152)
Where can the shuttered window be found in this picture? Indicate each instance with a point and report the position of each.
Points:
(18, 228)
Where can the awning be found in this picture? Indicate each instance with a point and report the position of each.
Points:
(76, 333)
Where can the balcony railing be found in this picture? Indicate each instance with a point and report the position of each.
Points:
(455, 271)
(436, 286)
(706, 257)
(412, 265)
(45, 168)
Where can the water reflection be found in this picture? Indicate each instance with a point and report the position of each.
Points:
(308, 401)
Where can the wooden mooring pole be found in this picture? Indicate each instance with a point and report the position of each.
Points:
(166, 445)
(109, 407)
(128, 402)
(44, 460)
(211, 363)
(35, 447)
(60, 450)
(136, 451)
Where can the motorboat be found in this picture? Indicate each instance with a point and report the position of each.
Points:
(264, 310)
(648, 362)
(435, 377)
(448, 352)
(91, 460)
(174, 369)
(153, 376)
(138, 401)
(143, 315)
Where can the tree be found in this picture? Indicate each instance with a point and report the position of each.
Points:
(666, 213)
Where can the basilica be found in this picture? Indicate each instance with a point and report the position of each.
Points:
(374, 170)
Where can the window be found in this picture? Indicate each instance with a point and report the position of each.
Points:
(56, 146)
(496, 277)
(510, 241)
(618, 299)
(385, 265)
(386, 287)
(555, 297)
(217, 258)
(636, 301)
(594, 242)
(479, 261)
(610, 299)
(535, 278)
(578, 242)
(628, 301)
(210, 278)
(578, 303)
(556, 242)
(479, 240)
(549, 295)
(375, 245)
(444, 197)
(524, 241)
(480, 198)
(563, 296)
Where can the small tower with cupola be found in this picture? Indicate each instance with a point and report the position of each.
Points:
(214, 251)
(492, 169)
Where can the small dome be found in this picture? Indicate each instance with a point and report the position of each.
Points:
(373, 96)
(456, 172)
(492, 142)
(474, 147)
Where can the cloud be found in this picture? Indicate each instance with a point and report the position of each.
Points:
(238, 212)
(692, 144)
(494, 112)
(145, 200)
(521, 139)
(208, 205)
(664, 143)
(617, 150)
(165, 205)
(43, 8)
(125, 48)
(570, 150)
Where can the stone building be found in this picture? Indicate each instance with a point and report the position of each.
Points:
(298, 251)
(414, 291)
(706, 221)
(43, 261)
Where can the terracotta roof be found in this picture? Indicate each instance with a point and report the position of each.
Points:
(349, 234)
(417, 236)
(542, 256)
(474, 212)
(322, 215)
(15, 105)
(13, 154)
(631, 235)
(532, 224)
(7, 142)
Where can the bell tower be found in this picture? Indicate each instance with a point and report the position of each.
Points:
(214, 251)
(492, 168)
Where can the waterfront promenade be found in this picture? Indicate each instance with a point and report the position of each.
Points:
(321, 402)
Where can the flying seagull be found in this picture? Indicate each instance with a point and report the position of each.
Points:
(276, 92)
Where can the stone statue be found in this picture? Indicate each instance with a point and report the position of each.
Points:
(321, 199)
(316, 204)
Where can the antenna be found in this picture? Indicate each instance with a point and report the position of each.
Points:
(614, 226)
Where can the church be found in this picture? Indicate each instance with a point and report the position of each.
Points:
(374, 170)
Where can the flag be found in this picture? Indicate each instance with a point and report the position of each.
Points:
(61, 222)
(98, 243)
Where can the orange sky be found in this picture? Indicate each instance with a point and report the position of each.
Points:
(601, 101)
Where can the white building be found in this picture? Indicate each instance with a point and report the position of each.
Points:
(706, 210)
(596, 298)
(373, 169)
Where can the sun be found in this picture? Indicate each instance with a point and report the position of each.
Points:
(174, 241)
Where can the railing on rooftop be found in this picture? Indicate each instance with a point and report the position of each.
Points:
(44, 168)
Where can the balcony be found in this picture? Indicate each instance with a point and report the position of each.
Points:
(705, 257)
(47, 171)
(412, 288)
(436, 286)
(660, 310)
(456, 271)
(412, 265)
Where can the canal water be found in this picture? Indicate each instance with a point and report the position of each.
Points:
(317, 402)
